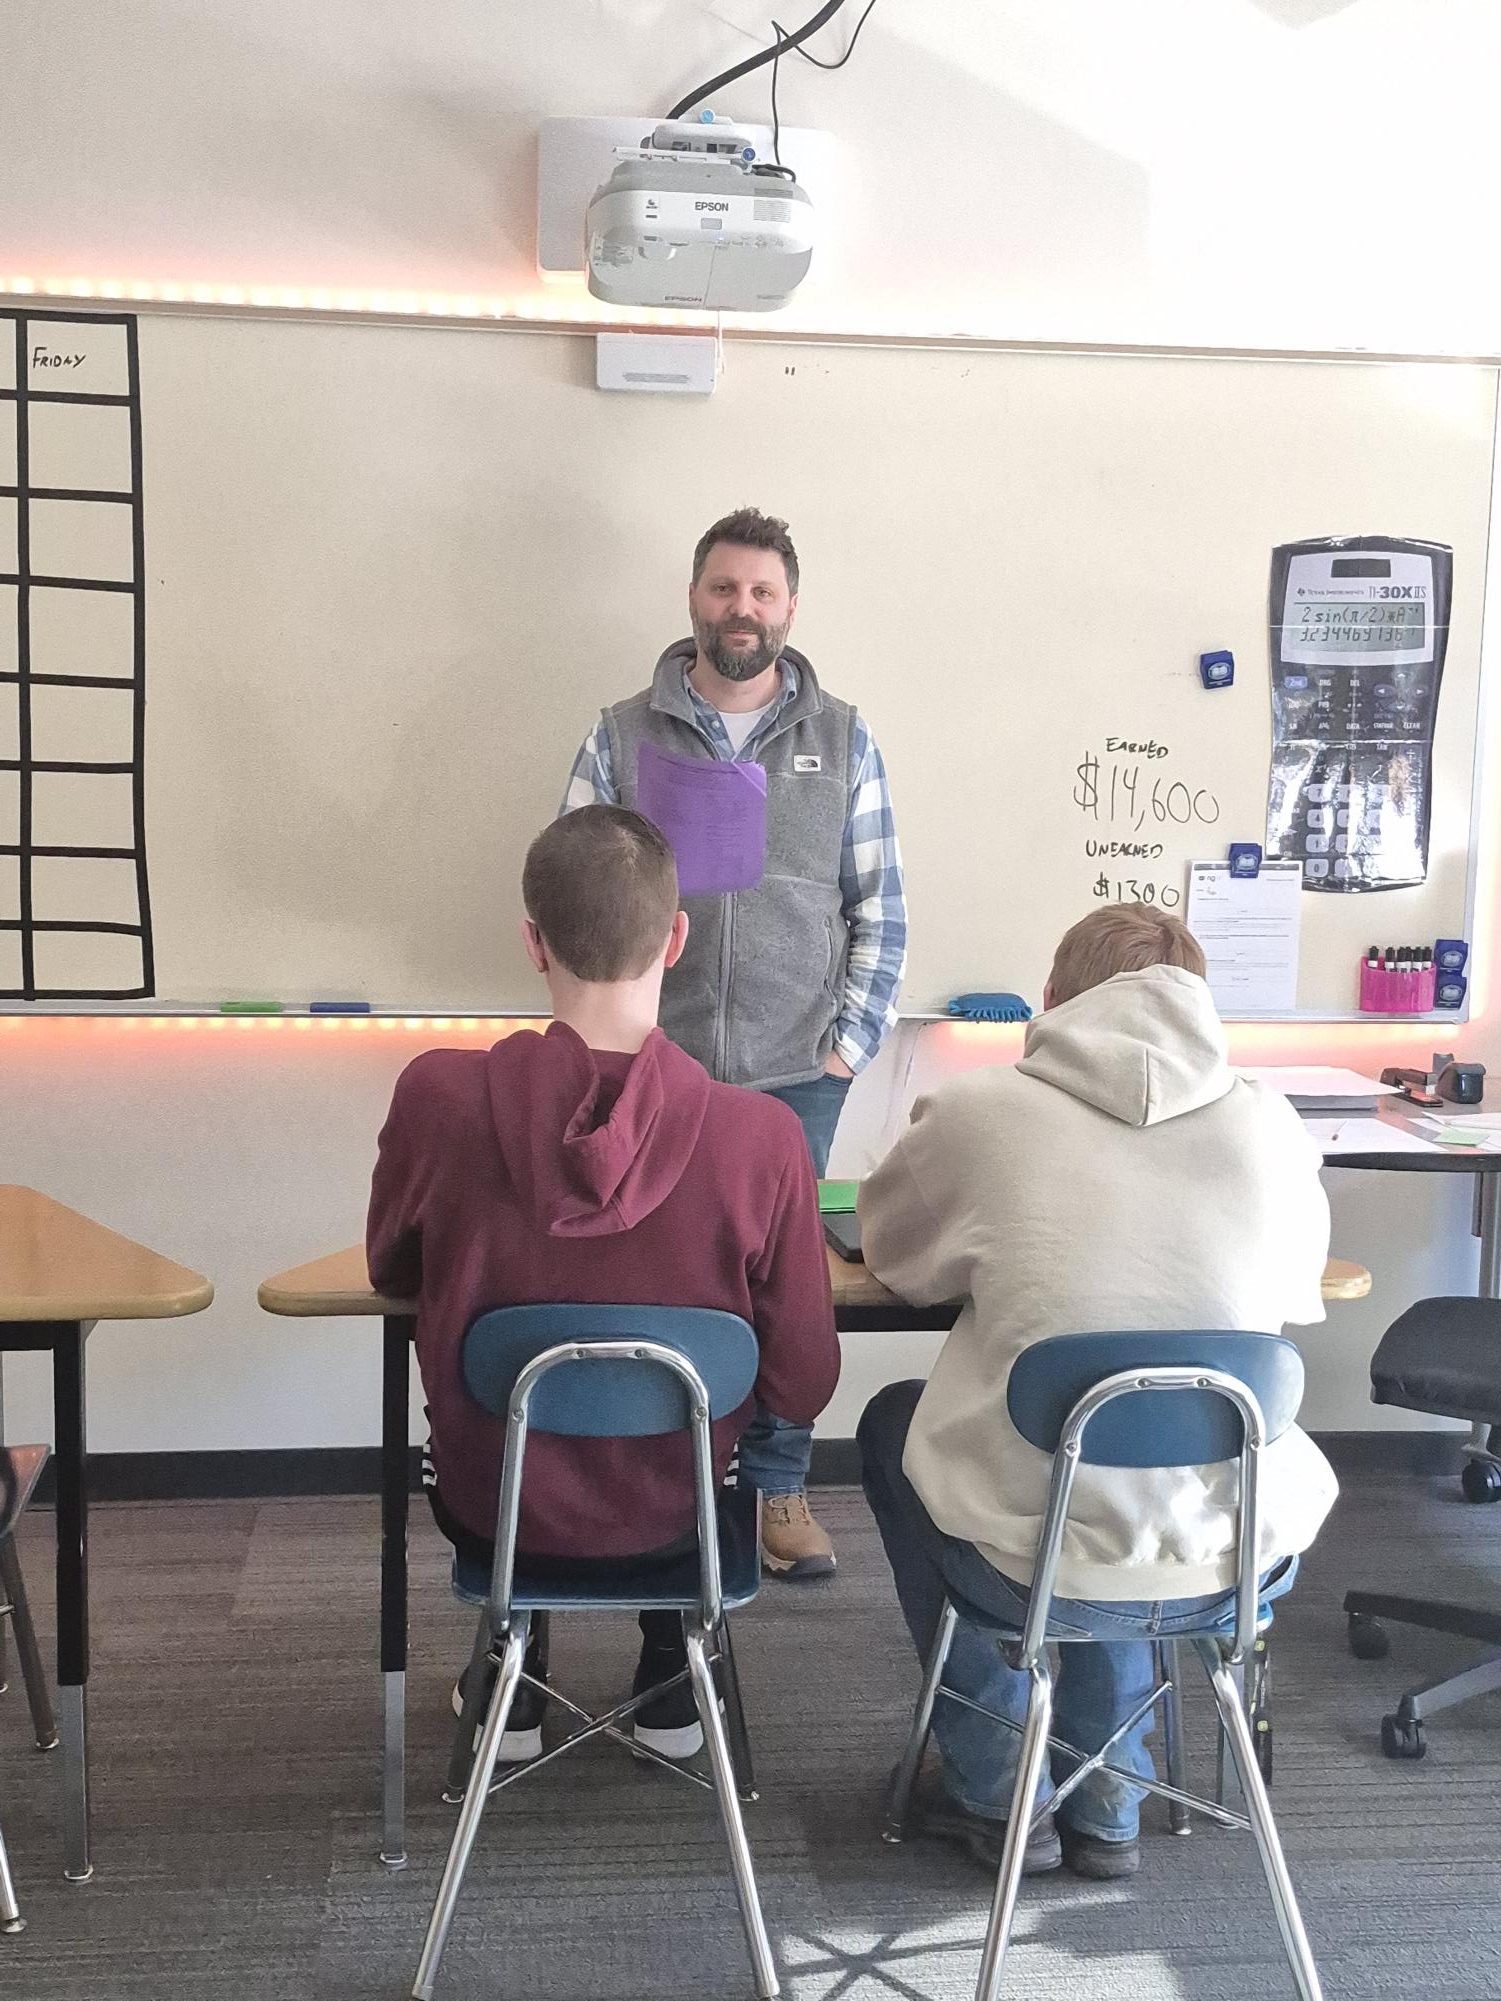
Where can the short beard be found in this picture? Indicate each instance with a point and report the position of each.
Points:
(739, 665)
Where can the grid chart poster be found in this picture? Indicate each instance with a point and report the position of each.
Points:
(1359, 628)
(75, 911)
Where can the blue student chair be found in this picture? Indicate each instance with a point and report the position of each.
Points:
(1144, 1400)
(610, 1372)
(20, 1469)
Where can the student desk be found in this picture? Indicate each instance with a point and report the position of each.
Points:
(59, 1273)
(338, 1286)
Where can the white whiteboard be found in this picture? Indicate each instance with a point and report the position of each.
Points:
(393, 573)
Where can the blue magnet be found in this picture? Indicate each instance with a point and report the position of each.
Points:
(1245, 858)
(1217, 670)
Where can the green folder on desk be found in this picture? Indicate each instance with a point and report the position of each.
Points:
(837, 1198)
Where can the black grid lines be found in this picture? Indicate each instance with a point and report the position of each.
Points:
(75, 913)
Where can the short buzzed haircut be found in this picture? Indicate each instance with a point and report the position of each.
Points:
(749, 528)
(1125, 938)
(601, 886)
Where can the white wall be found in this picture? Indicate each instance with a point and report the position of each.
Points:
(1234, 172)
(1294, 171)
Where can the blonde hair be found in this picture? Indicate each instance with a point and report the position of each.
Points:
(1124, 938)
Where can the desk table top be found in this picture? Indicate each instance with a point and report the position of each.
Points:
(339, 1285)
(58, 1265)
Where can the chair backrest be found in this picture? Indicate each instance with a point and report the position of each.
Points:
(1153, 1427)
(1188, 1398)
(609, 1399)
(608, 1372)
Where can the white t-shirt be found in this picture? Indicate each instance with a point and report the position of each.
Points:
(740, 725)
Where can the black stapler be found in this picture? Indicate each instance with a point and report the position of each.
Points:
(1444, 1082)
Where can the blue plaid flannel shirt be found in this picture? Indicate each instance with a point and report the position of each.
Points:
(871, 888)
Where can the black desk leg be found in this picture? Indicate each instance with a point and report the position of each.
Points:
(395, 1371)
(70, 1430)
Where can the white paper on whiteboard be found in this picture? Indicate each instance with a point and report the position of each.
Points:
(1248, 927)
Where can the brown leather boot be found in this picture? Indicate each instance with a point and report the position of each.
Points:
(792, 1543)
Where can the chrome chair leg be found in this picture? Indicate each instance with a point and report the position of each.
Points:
(461, 1757)
(10, 1911)
(899, 1797)
(767, 1986)
(33, 1674)
(1018, 1828)
(1230, 1702)
(469, 1814)
(734, 1710)
(1170, 1674)
(1237, 1675)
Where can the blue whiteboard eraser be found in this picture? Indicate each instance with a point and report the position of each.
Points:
(990, 1007)
(1245, 858)
(1217, 670)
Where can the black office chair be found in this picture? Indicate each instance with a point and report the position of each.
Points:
(1442, 1356)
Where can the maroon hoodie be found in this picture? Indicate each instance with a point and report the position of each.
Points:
(544, 1170)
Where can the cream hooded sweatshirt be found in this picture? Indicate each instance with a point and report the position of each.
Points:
(1119, 1177)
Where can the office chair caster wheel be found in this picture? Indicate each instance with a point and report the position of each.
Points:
(1402, 1737)
(1368, 1640)
(1481, 1480)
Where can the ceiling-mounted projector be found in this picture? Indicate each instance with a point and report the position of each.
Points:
(694, 219)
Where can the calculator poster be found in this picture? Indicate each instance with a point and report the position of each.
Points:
(1359, 625)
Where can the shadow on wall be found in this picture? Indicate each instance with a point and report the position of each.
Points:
(1303, 13)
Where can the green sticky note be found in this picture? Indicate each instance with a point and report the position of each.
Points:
(837, 1198)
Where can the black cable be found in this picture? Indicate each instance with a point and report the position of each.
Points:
(817, 61)
(810, 27)
(776, 116)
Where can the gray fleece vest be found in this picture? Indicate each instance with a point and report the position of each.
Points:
(756, 993)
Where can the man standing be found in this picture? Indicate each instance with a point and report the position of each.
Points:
(791, 986)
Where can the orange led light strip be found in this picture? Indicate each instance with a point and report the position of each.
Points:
(557, 306)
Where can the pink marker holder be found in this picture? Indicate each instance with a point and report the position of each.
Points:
(1383, 992)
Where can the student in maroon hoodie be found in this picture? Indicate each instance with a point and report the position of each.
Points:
(597, 1163)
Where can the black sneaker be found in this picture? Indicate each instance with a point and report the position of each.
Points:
(983, 1839)
(668, 1724)
(1100, 1861)
(521, 1740)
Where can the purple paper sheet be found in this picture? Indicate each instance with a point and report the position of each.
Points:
(713, 814)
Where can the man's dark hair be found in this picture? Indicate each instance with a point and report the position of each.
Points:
(601, 886)
(749, 528)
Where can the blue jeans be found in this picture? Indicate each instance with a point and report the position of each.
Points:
(818, 1104)
(774, 1455)
(1096, 1688)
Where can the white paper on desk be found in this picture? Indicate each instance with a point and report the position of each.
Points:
(1463, 1135)
(1315, 1083)
(1248, 927)
(1336, 1136)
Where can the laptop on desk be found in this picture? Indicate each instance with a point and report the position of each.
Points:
(842, 1233)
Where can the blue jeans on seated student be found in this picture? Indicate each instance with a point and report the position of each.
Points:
(1096, 1687)
(774, 1455)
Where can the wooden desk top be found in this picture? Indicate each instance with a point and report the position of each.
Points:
(339, 1285)
(57, 1265)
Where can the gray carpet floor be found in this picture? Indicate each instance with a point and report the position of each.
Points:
(235, 1719)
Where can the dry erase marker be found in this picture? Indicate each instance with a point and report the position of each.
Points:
(250, 1007)
(338, 1007)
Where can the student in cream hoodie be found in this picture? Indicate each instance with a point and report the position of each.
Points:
(1119, 1176)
